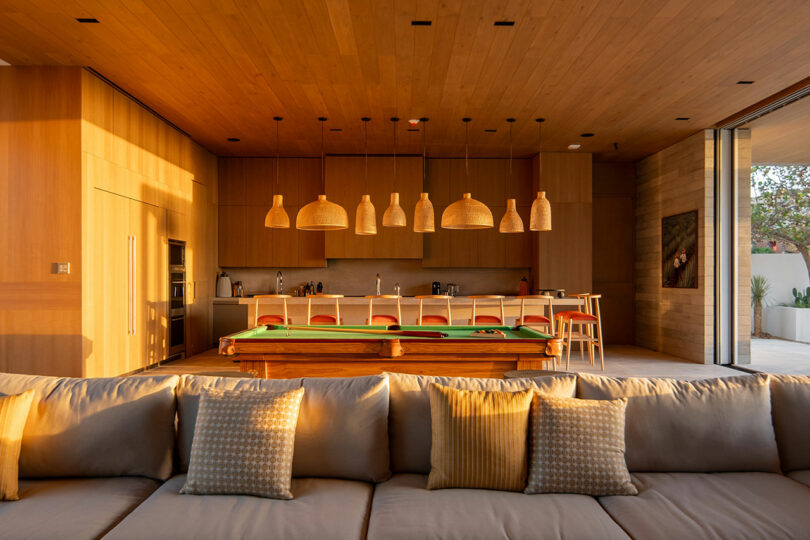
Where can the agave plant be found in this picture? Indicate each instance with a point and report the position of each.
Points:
(759, 290)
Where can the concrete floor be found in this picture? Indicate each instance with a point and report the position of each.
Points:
(780, 356)
(620, 361)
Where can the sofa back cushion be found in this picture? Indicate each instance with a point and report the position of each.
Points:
(97, 427)
(713, 425)
(342, 424)
(409, 415)
(790, 396)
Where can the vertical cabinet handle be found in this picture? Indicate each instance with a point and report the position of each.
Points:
(134, 286)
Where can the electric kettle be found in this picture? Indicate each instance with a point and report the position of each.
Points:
(224, 289)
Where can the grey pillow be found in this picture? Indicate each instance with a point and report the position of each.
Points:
(790, 396)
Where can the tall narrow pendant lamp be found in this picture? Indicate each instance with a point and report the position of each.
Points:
(540, 219)
(320, 214)
(277, 217)
(423, 218)
(467, 213)
(511, 222)
(394, 215)
(365, 222)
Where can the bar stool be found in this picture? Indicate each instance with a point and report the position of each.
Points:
(434, 319)
(323, 318)
(486, 319)
(271, 318)
(589, 320)
(383, 319)
(534, 319)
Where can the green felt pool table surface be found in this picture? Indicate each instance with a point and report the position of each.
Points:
(453, 333)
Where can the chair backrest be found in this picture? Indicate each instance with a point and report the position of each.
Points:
(281, 319)
(324, 319)
(434, 319)
(546, 300)
(486, 319)
(384, 319)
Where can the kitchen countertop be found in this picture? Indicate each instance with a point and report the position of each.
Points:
(360, 300)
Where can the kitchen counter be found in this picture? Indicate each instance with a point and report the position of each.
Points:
(354, 309)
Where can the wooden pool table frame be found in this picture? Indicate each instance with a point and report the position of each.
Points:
(291, 358)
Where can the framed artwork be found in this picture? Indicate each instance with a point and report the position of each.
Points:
(679, 253)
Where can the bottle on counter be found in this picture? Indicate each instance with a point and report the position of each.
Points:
(319, 289)
(523, 289)
(311, 287)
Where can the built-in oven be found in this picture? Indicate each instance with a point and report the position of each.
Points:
(177, 298)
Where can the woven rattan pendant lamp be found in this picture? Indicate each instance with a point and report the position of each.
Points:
(277, 217)
(511, 221)
(423, 217)
(394, 215)
(320, 214)
(540, 219)
(365, 222)
(467, 213)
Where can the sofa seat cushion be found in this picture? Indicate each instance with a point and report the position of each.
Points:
(322, 508)
(403, 508)
(719, 505)
(71, 508)
(801, 476)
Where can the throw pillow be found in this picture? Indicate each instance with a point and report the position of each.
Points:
(478, 438)
(243, 444)
(13, 414)
(577, 446)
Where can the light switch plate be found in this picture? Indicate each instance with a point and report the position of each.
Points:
(60, 268)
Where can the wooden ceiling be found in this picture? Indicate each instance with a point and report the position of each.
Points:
(783, 136)
(621, 69)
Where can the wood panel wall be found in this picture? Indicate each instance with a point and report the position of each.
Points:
(614, 188)
(563, 256)
(40, 220)
(488, 181)
(675, 180)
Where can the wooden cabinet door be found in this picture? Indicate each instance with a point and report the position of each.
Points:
(151, 283)
(232, 236)
(111, 280)
(200, 269)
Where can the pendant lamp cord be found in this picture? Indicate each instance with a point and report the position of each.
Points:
(394, 120)
(539, 150)
(323, 159)
(277, 155)
(510, 151)
(424, 153)
(365, 144)
(467, 149)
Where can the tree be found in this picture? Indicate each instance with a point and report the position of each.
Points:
(780, 206)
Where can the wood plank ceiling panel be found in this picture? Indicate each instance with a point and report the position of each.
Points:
(621, 69)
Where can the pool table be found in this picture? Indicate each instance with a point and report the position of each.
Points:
(279, 353)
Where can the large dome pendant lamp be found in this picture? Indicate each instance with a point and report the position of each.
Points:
(423, 217)
(511, 222)
(365, 222)
(320, 214)
(277, 217)
(467, 213)
(394, 215)
(540, 219)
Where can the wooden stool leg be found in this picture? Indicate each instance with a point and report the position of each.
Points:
(581, 343)
(590, 344)
(570, 324)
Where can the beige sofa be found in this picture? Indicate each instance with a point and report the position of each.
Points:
(722, 458)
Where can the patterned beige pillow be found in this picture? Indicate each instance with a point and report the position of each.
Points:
(13, 414)
(577, 446)
(478, 438)
(243, 444)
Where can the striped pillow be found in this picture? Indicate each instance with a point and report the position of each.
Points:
(577, 446)
(13, 414)
(478, 438)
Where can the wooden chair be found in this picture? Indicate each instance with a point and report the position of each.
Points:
(381, 318)
(323, 318)
(270, 318)
(537, 319)
(589, 321)
(434, 319)
(486, 319)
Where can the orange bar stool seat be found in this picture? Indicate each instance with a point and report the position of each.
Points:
(324, 318)
(445, 320)
(486, 319)
(589, 322)
(383, 318)
(270, 318)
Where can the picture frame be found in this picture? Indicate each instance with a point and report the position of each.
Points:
(679, 251)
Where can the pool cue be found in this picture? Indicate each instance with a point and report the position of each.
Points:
(407, 333)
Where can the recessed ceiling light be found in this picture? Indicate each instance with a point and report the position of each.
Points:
(574, 146)
(586, 135)
(684, 118)
(233, 139)
(86, 20)
(413, 129)
(745, 82)
(504, 23)
(335, 129)
(421, 23)
(490, 130)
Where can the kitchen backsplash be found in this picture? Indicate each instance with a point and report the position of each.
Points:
(357, 278)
